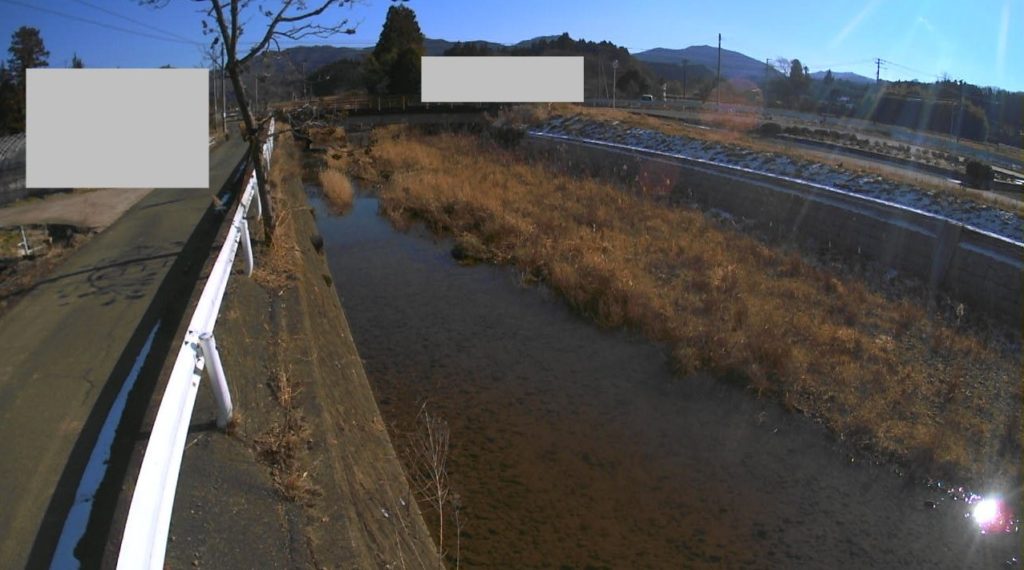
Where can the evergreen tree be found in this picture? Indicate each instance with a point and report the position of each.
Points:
(797, 77)
(394, 65)
(27, 51)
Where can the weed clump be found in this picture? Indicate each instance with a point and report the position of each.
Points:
(337, 189)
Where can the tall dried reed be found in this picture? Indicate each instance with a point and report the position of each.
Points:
(878, 373)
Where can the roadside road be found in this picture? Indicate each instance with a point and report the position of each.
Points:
(67, 347)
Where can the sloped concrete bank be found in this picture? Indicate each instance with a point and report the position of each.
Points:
(307, 475)
(977, 268)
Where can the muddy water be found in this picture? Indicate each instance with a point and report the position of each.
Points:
(574, 447)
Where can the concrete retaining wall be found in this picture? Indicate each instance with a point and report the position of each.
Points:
(978, 269)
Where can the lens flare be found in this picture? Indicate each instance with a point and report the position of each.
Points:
(987, 512)
(993, 515)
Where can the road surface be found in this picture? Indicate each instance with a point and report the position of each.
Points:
(67, 347)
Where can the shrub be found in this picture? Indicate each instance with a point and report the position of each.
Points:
(978, 175)
(769, 129)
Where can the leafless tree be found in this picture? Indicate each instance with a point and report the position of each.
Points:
(782, 65)
(226, 21)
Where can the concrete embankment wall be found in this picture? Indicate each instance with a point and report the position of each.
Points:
(980, 270)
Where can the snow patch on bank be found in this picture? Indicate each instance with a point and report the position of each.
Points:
(970, 213)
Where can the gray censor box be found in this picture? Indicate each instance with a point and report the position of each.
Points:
(502, 80)
(117, 128)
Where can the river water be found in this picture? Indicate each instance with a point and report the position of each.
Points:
(575, 447)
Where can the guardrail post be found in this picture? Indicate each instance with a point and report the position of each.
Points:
(218, 381)
(259, 204)
(246, 244)
(26, 249)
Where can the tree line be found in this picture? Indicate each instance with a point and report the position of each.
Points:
(944, 106)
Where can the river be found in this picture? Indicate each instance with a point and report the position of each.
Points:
(576, 447)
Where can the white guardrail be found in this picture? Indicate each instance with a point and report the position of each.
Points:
(145, 535)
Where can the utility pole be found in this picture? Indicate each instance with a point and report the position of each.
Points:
(878, 69)
(615, 67)
(685, 63)
(213, 76)
(223, 90)
(305, 97)
(764, 89)
(718, 75)
(960, 113)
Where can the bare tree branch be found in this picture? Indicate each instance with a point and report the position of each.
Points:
(300, 31)
(293, 20)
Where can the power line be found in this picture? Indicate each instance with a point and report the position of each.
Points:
(100, 24)
(912, 70)
(838, 65)
(168, 36)
(134, 21)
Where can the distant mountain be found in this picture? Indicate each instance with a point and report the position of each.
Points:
(695, 73)
(295, 59)
(844, 75)
(531, 41)
(282, 73)
(435, 47)
(438, 47)
(735, 65)
(314, 57)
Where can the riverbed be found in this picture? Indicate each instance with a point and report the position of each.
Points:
(576, 447)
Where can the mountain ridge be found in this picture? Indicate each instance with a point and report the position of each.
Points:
(844, 75)
(735, 65)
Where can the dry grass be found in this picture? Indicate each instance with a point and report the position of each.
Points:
(281, 448)
(878, 373)
(337, 189)
(22, 275)
(327, 135)
(277, 265)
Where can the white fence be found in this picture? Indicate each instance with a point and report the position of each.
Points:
(145, 536)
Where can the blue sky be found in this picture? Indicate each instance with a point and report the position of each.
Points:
(979, 41)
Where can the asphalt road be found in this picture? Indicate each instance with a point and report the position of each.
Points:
(67, 347)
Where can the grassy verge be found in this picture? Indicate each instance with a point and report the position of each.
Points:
(879, 373)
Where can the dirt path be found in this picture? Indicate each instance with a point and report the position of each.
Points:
(86, 209)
